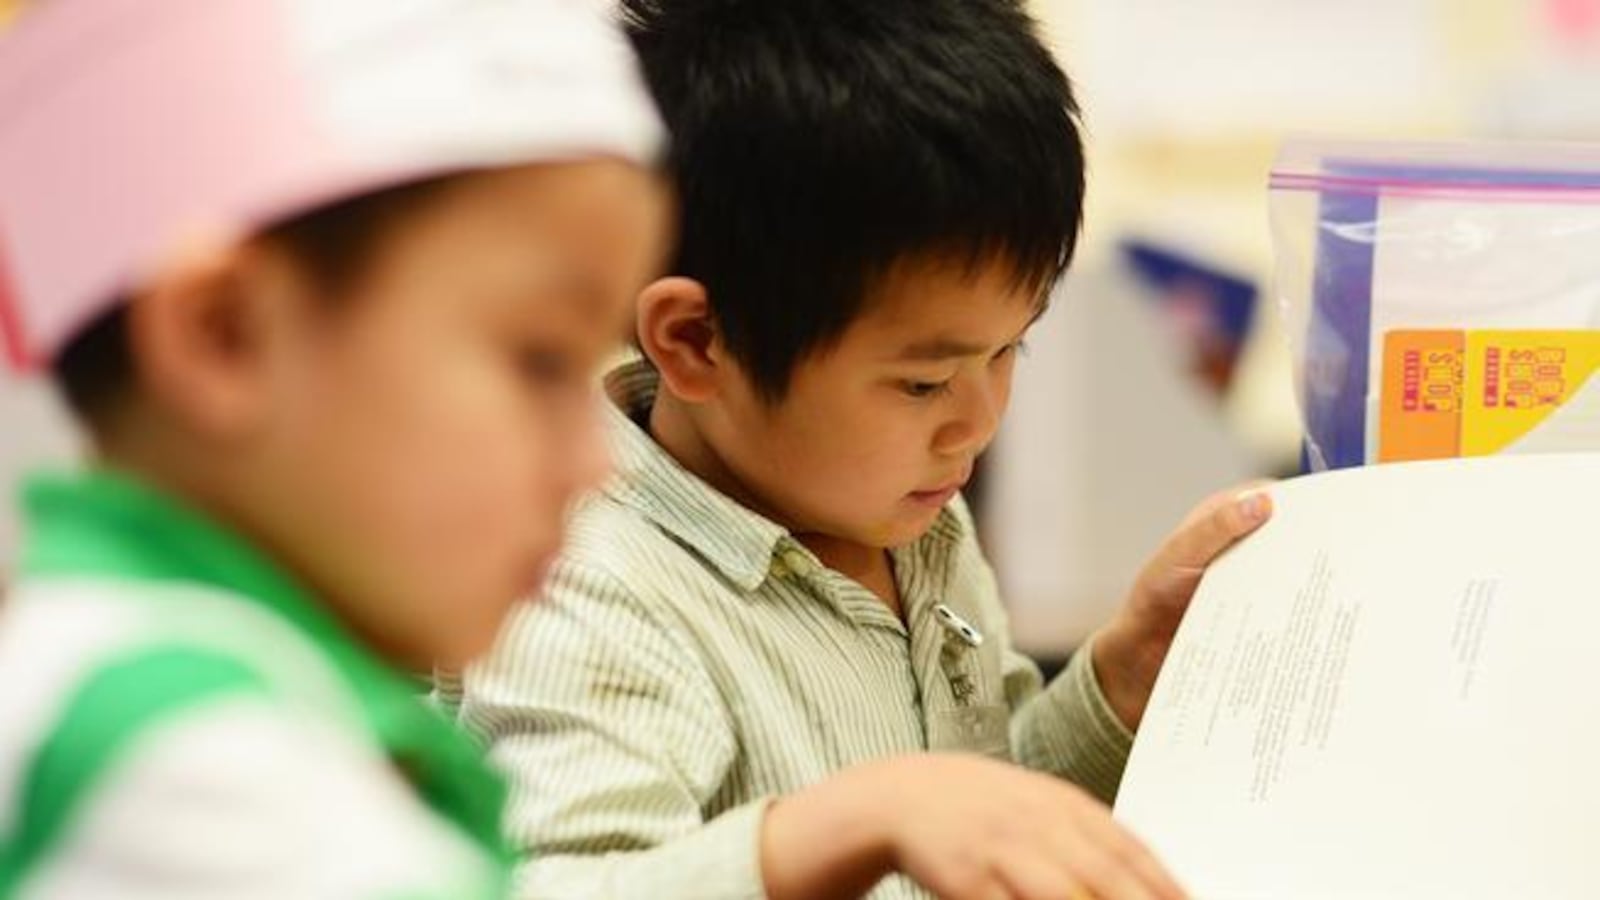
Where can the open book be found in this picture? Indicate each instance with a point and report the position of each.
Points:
(1393, 690)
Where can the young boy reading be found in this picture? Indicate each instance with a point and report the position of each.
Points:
(778, 608)
(325, 283)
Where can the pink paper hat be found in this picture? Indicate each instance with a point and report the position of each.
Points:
(127, 126)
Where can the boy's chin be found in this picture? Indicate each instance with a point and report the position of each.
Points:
(883, 529)
(904, 527)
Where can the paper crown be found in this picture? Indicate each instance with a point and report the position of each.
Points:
(127, 126)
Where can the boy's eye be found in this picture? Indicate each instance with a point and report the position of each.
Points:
(923, 389)
(546, 365)
(1016, 348)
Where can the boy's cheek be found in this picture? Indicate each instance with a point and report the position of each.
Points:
(440, 499)
(450, 582)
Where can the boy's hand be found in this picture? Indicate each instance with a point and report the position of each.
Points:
(964, 827)
(1128, 652)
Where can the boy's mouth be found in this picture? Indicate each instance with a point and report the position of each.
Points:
(938, 497)
(933, 498)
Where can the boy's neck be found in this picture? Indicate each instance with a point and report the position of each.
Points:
(870, 567)
(675, 430)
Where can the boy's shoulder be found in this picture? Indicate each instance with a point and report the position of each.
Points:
(122, 702)
(59, 628)
(631, 550)
(89, 665)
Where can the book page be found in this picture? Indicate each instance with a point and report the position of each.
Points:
(1389, 692)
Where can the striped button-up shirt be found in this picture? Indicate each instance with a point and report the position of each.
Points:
(691, 660)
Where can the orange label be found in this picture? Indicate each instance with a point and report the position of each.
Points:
(1422, 395)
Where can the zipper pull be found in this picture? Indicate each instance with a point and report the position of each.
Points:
(958, 626)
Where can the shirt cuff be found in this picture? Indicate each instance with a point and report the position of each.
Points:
(1081, 737)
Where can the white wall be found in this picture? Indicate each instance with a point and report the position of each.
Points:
(33, 433)
(1186, 102)
(1107, 445)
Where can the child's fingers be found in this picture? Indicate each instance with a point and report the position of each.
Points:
(1115, 854)
(1105, 879)
(1030, 875)
(1137, 858)
(1216, 525)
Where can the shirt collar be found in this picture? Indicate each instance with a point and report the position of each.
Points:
(737, 541)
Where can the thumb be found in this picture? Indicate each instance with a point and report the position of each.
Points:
(1215, 525)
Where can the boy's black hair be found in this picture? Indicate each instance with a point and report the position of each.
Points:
(816, 143)
(334, 244)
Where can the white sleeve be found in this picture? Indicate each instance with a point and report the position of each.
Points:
(237, 799)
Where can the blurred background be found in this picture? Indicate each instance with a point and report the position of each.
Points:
(1161, 375)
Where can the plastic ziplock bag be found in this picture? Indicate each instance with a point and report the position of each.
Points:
(1442, 299)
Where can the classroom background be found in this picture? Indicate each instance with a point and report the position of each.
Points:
(1161, 373)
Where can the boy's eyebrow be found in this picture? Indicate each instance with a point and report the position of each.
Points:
(940, 348)
(583, 293)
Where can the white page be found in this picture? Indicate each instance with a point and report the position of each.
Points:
(35, 433)
(1389, 692)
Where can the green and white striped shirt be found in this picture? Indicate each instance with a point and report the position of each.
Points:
(692, 660)
(180, 720)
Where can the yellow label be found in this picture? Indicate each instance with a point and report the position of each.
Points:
(1516, 379)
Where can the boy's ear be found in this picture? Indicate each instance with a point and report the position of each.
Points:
(678, 332)
(201, 335)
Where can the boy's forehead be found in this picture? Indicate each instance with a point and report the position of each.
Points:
(503, 232)
(939, 312)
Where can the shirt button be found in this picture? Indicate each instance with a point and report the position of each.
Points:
(796, 562)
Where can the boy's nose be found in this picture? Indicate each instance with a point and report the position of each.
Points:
(975, 424)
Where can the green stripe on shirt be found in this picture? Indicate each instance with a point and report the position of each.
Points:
(108, 713)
